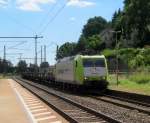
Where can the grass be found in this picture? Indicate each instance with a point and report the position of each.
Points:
(140, 78)
(135, 83)
(2, 76)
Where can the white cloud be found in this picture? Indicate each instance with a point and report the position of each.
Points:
(35, 5)
(72, 19)
(80, 3)
(32, 5)
(3, 2)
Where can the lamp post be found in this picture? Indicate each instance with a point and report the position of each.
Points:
(117, 67)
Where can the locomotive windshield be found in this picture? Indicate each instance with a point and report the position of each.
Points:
(88, 63)
(94, 62)
(99, 63)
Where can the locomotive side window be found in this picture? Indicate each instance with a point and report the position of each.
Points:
(76, 64)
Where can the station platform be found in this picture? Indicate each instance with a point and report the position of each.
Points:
(10, 110)
(18, 105)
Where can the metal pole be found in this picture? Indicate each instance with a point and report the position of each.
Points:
(57, 48)
(36, 37)
(44, 53)
(20, 58)
(36, 50)
(4, 62)
(23, 37)
(117, 59)
(4, 53)
(41, 54)
(117, 62)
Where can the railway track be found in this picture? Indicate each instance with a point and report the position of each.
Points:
(71, 110)
(126, 103)
(115, 111)
(142, 100)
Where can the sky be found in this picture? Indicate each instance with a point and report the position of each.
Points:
(58, 21)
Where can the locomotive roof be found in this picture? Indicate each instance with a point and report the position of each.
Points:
(82, 56)
(93, 56)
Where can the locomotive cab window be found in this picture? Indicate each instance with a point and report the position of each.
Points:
(94, 62)
(88, 63)
(100, 63)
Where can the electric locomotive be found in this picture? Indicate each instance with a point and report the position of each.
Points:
(89, 71)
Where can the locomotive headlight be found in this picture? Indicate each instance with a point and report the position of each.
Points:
(103, 77)
(85, 78)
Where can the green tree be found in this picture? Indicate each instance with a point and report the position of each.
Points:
(67, 49)
(95, 44)
(90, 45)
(137, 17)
(91, 31)
(6, 66)
(94, 26)
(33, 68)
(116, 20)
(44, 65)
(81, 45)
(22, 66)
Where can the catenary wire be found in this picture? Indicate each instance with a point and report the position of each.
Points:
(47, 15)
(53, 18)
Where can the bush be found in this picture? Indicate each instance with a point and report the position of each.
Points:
(135, 58)
(140, 77)
(109, 53)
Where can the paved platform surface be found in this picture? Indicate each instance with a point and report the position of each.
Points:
(18, 105)
(10, 109)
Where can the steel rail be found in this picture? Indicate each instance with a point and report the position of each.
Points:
(123, 105)
(87, 109)
(125, 96)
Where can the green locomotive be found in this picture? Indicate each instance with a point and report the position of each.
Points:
(82, 70)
